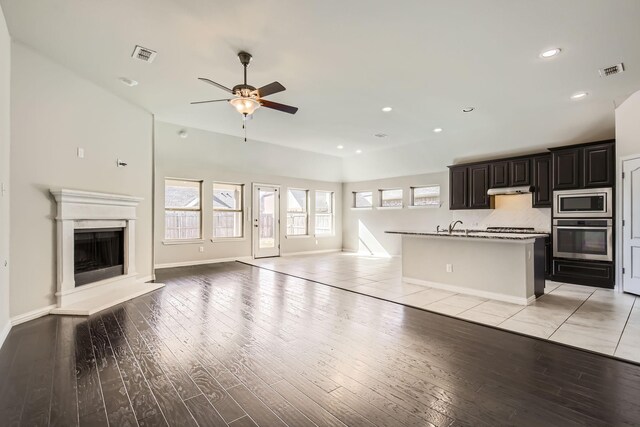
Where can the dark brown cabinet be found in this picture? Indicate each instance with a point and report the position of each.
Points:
(519, 172)
(458, 188)
(499, 174)
(598, 164)
(542, 195)
(566, 169)
(478, 187)
(585, 166)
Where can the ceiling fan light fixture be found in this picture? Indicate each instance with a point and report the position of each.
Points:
(245, 105)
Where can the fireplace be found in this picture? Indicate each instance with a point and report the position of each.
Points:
(98, 254)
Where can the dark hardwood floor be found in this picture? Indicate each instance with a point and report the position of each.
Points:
(230, 344)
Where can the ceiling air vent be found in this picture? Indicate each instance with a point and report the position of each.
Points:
(610, 71)
(144, 54)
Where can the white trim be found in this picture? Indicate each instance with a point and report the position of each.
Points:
(5, 332)
(389, 208)
(474, 292)
(297, 236)
(324, 251)
(425, 206)
(182, 242)
(195, 262)
(619, 208)
(361, 208)
(228, 239)
(30, 315)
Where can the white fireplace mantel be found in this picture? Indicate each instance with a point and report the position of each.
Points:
(85, 210)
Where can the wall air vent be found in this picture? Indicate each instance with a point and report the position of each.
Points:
(144, 54)
(610, 71)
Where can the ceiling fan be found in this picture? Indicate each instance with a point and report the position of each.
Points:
(247, 99)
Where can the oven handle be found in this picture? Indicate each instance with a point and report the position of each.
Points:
(585, 227)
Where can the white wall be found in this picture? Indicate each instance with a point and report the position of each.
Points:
(5, 72)
(54, 111)
(210, 157)
(627, 144)
(366, 228)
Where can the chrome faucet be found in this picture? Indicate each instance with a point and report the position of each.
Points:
(453, 225)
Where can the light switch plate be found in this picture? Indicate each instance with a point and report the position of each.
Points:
(80, 153)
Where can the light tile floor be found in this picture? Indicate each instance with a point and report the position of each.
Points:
(599, 320)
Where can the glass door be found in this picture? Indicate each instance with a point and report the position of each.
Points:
(266, 221)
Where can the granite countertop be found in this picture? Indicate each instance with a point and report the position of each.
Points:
(473, 234)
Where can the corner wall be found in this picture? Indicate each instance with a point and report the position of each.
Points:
(210, 157)
(5, 81)
(53, 112)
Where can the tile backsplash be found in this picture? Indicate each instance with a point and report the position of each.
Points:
(510, 211)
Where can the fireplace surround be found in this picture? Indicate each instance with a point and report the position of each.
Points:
(85, 216)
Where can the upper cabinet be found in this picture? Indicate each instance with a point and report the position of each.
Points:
(458, 187)
(584, 166)
(519, 172)
(499, 172)
(478, 187)
(541, 176)
(468, 186)
(598, 165)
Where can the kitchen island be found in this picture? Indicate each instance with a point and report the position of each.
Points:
(508, 267)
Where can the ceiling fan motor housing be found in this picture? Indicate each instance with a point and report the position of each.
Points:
(245, 58)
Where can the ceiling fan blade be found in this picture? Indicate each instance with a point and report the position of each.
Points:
(213, 100)
(280, 107)
(211, 82)
(270, 89)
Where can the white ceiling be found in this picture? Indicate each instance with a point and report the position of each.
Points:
(342, 61)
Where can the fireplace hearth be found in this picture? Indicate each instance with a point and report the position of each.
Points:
(98, 254)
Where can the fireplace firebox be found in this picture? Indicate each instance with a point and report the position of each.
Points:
(98, 254)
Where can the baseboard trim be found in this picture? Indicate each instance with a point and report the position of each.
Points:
(324, 251)
(197, 262)
(30, 315)
(483, 294)
(5, 332)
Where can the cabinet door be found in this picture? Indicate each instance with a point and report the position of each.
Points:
(519, 171)
(598, 165)
(499, 174)
(566, 169)
(478, 186)
(458, 188)
(542, 195)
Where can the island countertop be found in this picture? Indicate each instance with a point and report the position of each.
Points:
(471, 234)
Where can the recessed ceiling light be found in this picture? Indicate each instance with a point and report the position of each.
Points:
(468, 109)
(550, 53)
(579, 95)
(387, 109)
(182, 133)
(358, 151)
(128, 82)
(437, 130)
(380, 135)
(340, 147)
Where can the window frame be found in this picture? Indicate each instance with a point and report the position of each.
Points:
(381, 199)
(412, 197)
(306, 212)
(354, 196)
(241, 211)
(332, 212)
(170, 241)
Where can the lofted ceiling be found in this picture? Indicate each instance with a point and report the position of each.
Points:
(342, 61)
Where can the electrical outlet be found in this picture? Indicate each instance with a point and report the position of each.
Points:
(449, 268)
(201, 248)
(80, 153)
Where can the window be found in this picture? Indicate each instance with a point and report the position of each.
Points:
(324, 213)
(228, 209)
(182, 209)
(426, 196)
(391, 198)
(362, 199)
(297, 214)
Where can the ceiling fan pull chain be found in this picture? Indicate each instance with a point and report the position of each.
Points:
(244, 126)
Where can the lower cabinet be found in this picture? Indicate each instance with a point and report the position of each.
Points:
(591, 273)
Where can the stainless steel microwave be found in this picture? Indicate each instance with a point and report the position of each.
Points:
(588, 203)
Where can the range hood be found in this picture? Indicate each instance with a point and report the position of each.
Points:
(510, 190)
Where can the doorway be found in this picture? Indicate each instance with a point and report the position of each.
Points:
(266, 220)
(631, 226)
